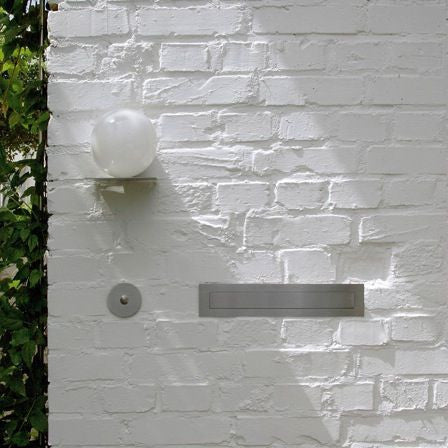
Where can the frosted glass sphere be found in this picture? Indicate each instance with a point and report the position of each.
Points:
(124, 143)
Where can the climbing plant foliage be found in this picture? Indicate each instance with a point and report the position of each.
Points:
(23, 225)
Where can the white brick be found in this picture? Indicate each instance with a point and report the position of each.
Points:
(364, 264)
(240, 197)
(186, 397)
(401, 228)
(308, 265)
(308, 19)
(66, 399)
(416, 56)
(349, 56)
(396, 90)
(404, 395)
(244, 57)
(301, 142)
(296, 431)
(258, 266)
(88, 22)
(362, 127)
(409, 192)
(300, 332)
(247, 127)
(249, 332)
(135, 398)
(419, 258)
(356, 332)
(353, 397)
(288, 364)
(121, 335)
(405, 362)
(301, 195)
(285, 55)
(71, 336)
(177, 334)
(70, 96)
(328, 91)
(184, 57)
(304, 126)
(415, 328)
(69, 131)
(81, 367)
(74, 430)
(71, 60)
(397, 19)
(296, 398)
(411, 126)
(187, 21)
(120, 59)
(401, 160)
(332, 159)
(441, 395)
(216, 90)
(186, 367)
(187, 127)
(355, 194)
(404, 428)
(303, 230)
(244, 396)
(159, 429)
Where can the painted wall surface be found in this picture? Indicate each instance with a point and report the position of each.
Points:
(300, 141)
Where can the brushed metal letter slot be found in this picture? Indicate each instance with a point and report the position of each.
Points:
(279, 300)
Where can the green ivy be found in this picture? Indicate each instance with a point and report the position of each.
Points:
(23, 225)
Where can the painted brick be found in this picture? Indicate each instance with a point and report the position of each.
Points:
(88, 23)
(303, 230)
(240, 197)
(397, 19)
(244, 57)
(406, 90)
(308, 265)
(362, 333)
(402, 160)
(304, 55)
(300, 332)
(183, 91)
(184, 57)
(308, 19)
(415, 328)
(400, 228)
(404, 395)
(353, 397)
(187, 21)
(247, 127)
(186, 397)
(301, 195)
(355, 194)
(300, 141)
(187, 127)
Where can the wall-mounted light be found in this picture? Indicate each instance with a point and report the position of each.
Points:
(124, 143)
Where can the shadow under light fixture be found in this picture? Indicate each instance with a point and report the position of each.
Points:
(124, 145)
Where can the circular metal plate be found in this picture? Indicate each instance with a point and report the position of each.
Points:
(124, 300)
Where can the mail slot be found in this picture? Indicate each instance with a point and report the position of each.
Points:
(280, 300)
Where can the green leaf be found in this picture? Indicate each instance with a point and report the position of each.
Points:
(18, 386)
(28, 352)
(39, 420)
(20, 337)
(35, 276)
(33, 242)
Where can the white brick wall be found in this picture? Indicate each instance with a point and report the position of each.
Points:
(299, 141)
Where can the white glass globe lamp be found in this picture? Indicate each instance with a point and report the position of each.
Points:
(124, 143)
